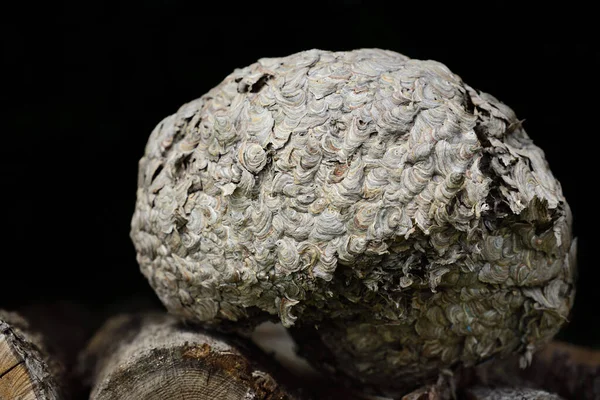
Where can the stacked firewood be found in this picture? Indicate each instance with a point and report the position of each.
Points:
(51, 352)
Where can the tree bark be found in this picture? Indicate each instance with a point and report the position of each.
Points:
(27, 371)
(154, 356)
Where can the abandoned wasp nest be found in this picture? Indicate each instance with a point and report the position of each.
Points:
(404, 217)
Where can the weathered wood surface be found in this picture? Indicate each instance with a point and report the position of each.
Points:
(508, 393)
(570, 371)
(27, 371)
(155, 356)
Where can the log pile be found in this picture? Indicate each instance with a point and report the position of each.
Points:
(153, 355)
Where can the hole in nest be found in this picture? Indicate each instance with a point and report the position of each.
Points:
(156, 173)
(260, 83)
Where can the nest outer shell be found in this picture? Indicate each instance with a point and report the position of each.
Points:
(378, 198)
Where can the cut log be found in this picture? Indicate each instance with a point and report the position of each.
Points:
(155, 356)
(27, 372)
(63, 328)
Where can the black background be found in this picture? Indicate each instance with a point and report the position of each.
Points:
(85, 86)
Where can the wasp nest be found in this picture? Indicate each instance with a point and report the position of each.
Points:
(405, 215)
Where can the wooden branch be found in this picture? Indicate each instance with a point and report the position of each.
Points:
(154, 356)
(27, 371)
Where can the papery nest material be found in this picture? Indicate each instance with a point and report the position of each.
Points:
(379, 198)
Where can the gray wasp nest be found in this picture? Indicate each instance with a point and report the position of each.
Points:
(403, 214)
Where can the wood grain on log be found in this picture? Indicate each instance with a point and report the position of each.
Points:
(154, 356)
(26, 370)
